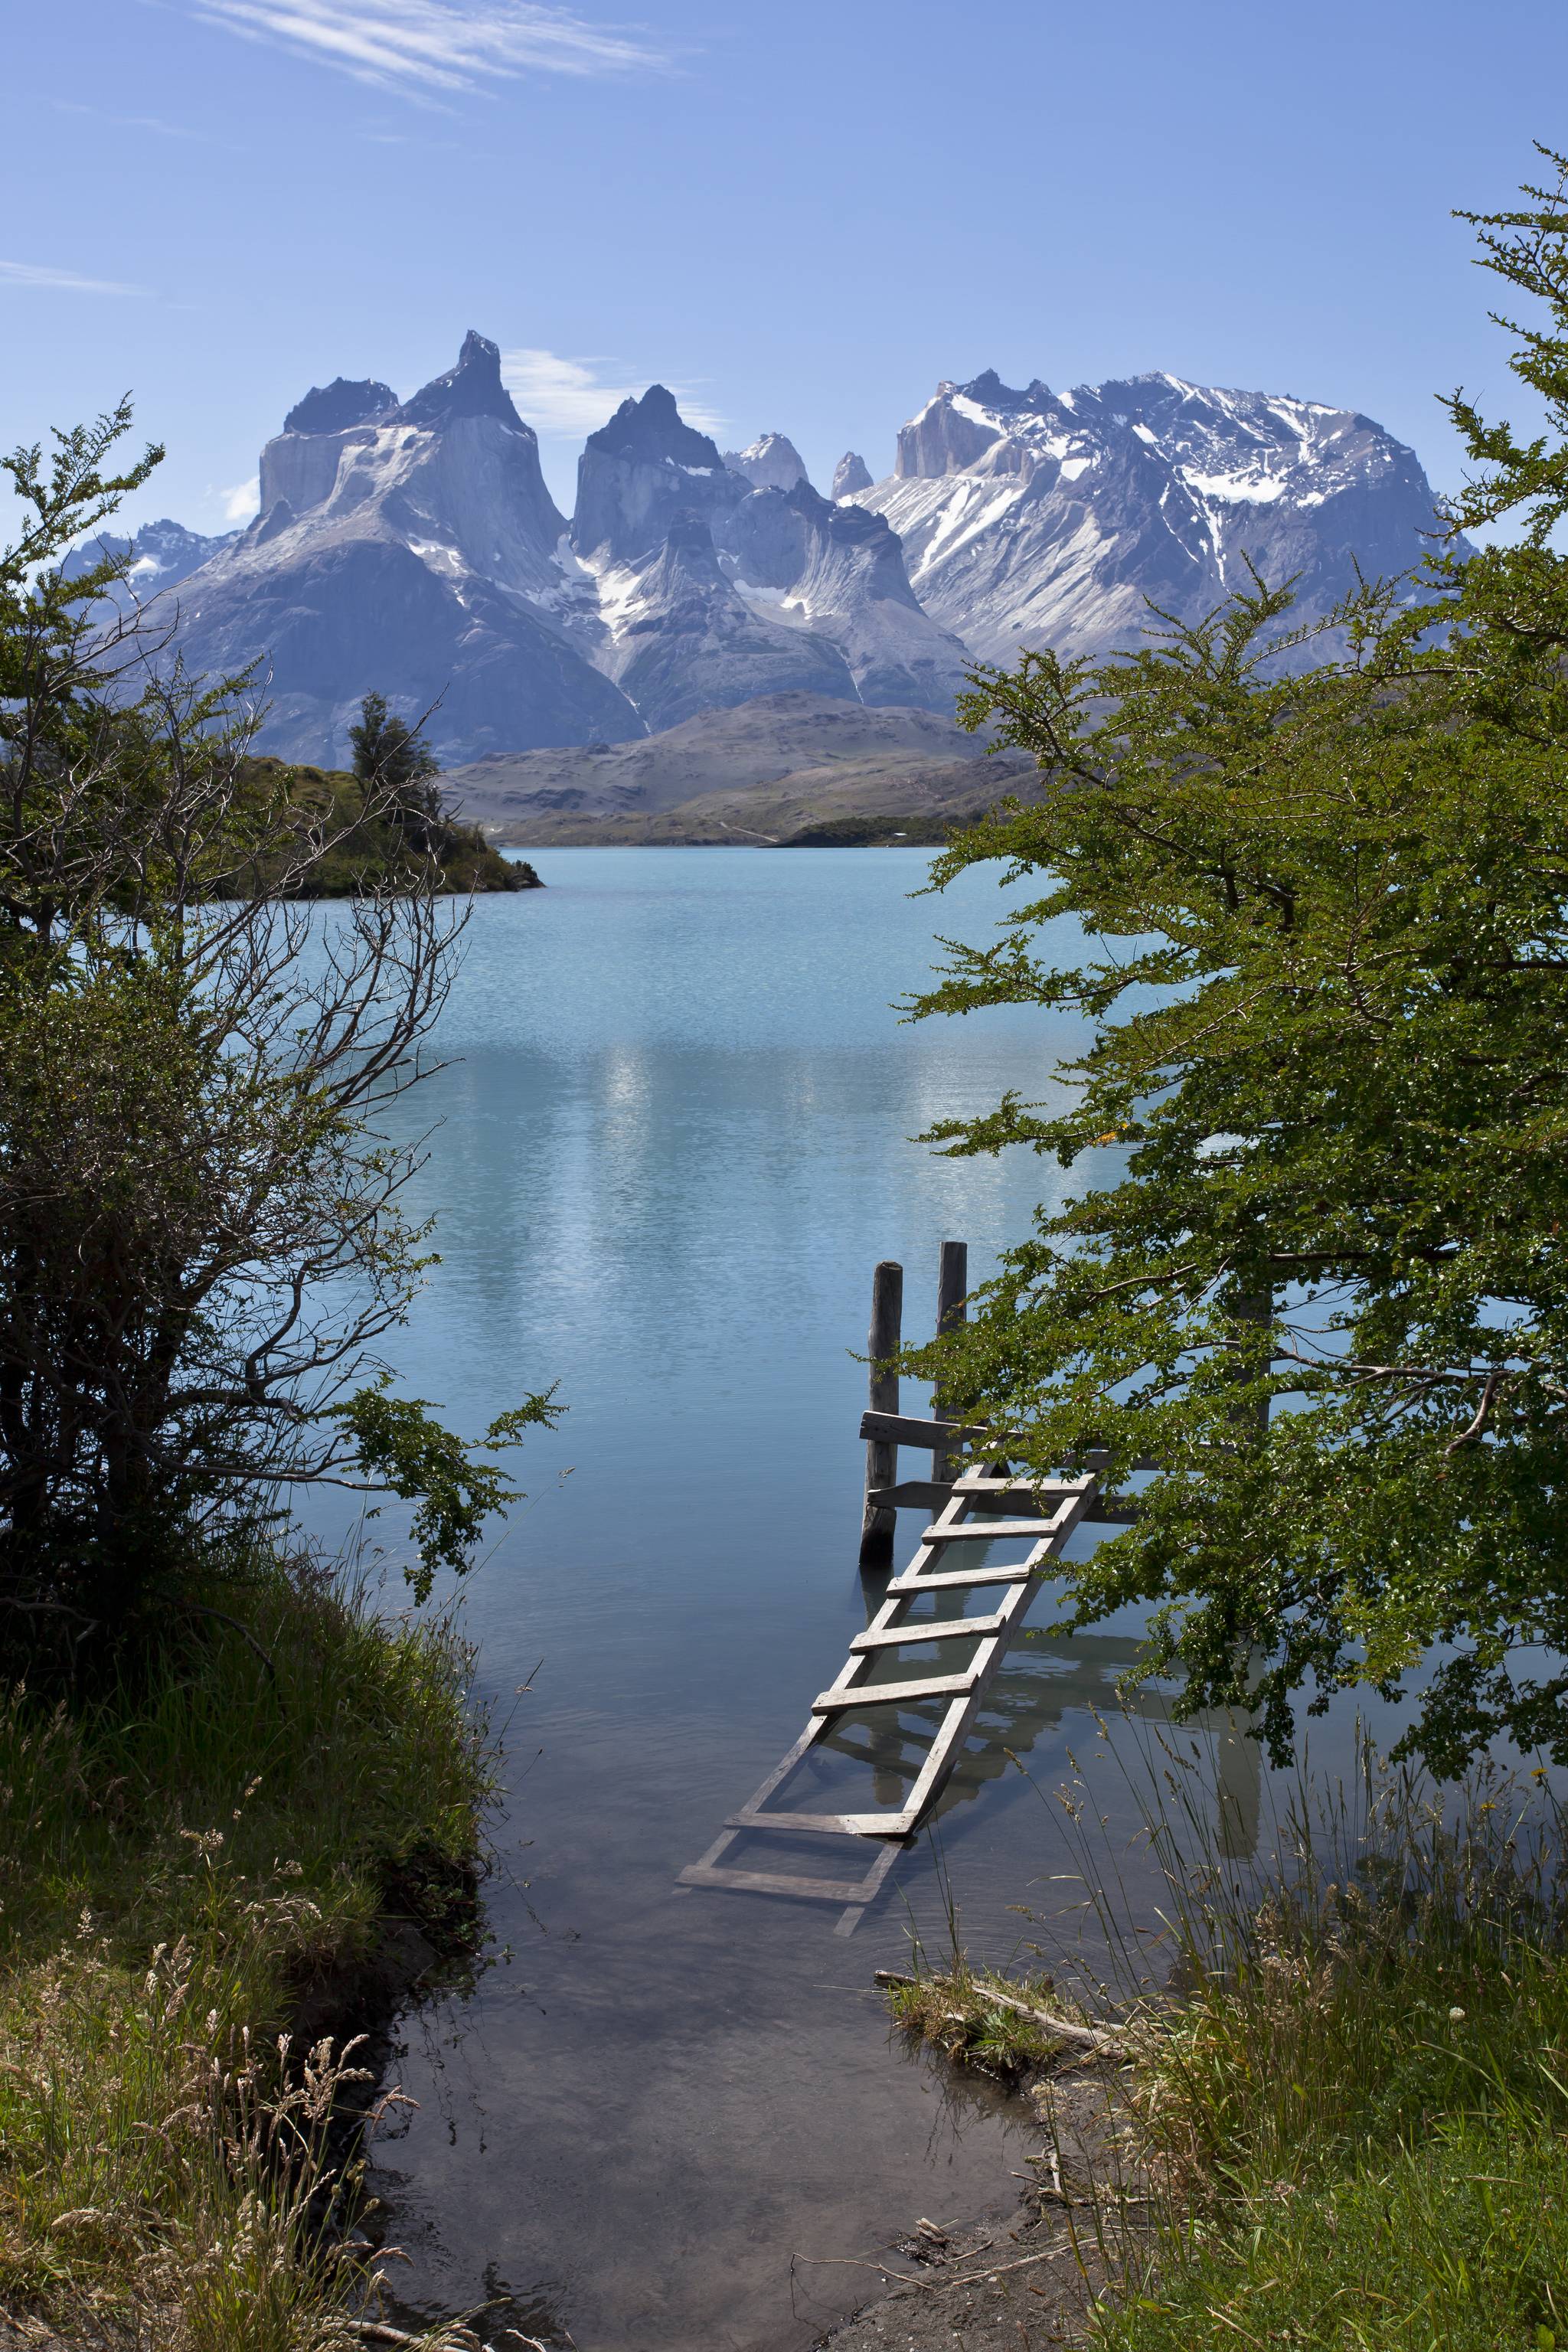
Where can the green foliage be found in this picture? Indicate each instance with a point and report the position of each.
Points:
(371, 851)
(389, 757)
(1324, 878)
(387, 748)
(201, 1238)
(403, 1449)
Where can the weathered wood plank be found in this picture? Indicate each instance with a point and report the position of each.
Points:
(994, 1494)
(860, 1826)
(931, 1436)
(984, 1530)
(907, 1429)
(767, 1882)
(932, 1629)
(845, 1697)
(953, 1580)
(951, 1283)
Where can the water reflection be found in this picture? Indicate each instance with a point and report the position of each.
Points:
(676, 1142)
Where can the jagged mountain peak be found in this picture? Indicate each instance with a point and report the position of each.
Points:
(333, 407)
(851, 474)
(771, 462)
(472, 388)
(1031, 517)
(651, 431)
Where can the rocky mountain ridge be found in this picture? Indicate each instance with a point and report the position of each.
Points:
(413, 547)
(1032, 517)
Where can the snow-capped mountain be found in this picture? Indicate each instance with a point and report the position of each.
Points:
(1034, 518)
(707, 592)
(413, 549)
(164, 552)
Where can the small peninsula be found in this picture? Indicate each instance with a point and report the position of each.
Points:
(369, 850)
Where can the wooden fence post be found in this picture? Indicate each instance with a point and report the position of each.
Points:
(951, 1283)
(880, 1520)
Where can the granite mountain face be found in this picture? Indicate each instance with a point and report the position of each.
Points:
(710, 591)
(413, 547)
(772, 462)
(1033, 518)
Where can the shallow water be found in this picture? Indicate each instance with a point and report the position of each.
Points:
(675, 1140)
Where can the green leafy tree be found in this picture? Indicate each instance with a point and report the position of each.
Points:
(202, 1239)
(391, 759)
(1322, 1113)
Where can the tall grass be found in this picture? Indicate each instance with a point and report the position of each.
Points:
(1346, 2116)
(184, 1857)
(1357, 2110)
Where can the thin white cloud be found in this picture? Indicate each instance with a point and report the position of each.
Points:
(242, 500)
(153, 122)
(567, 397)
(423, 46)
(59, 281)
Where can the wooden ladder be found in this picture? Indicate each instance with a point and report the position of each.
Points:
(1047, 1512)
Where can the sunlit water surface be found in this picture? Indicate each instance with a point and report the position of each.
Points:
(677, 1134)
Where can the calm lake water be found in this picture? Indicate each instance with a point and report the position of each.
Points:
(676, 1138)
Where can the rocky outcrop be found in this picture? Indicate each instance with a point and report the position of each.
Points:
(684, 640)
(333, 407)
(679, 631)
(803, 594)
(642, 471)
(851, 474)
(771, 463)
(840, 570)
(1030, 518)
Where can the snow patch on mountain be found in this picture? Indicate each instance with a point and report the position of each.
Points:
(1029, 517)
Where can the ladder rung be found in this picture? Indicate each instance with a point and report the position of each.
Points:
(833, 1702)
(954, 1580)
(936, 1629)
(1055, 1491)
(772, 1881)
(989, 1531)
(822, 1825)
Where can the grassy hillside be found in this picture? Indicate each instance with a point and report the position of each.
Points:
(902, 796)
(268, 1826)
(757, 742)
(373, 851)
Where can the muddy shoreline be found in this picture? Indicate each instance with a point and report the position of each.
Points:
(1023, 2277)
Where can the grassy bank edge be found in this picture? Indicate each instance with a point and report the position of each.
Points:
(1349, 2111)
(214, 1876)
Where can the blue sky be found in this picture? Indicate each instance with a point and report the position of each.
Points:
(801, 217)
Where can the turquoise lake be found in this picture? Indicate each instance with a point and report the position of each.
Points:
(675, 1135)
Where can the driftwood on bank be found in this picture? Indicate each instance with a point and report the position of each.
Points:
(1066, 2029)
